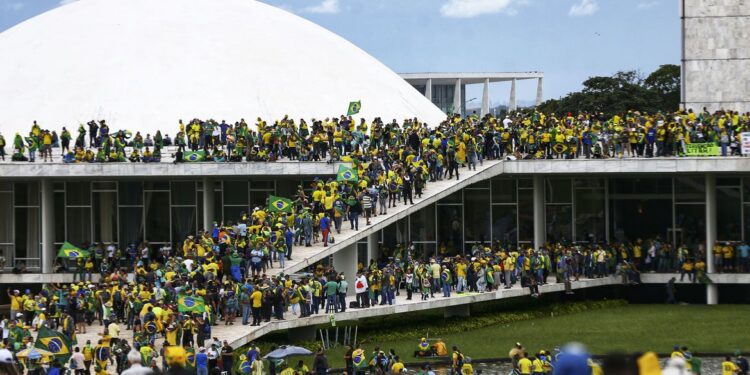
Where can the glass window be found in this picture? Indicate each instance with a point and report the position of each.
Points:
(525, 215)
(484, 184)
(728, 214)
(260, 198)
(746, 188)
(233, 213)
(504, 227)
(26, 193)
(690, 224)
(78, 193)
(235, 193)
(632, 217)
(157, 217)
(262, 185)
(450, 228)
(59, 202)
(6, 213)
(131, 193)
(131, 226)
(503, 190)
(156, 185)
(217, 208)
(7, 252)
(183, 193)
(287, 188)
(558, 190)
(6, 186)
(453, 198)
(78, 225)
(423, 224)
(690, 189)
(590, 220)
(589, 182)
(525, 183)
(478, 209)
(559, 222)
(656, 188)
(424, 250)
(183, 223)
(394, 234)
(27, 233)
(104, 185)
(105, 217)
(728, 181)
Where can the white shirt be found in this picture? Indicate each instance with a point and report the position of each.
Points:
(188, 264)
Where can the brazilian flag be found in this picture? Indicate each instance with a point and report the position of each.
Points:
(354, 108)
(279, 204)
(191, 304)
(190, 362)
(54, 342)
(347, 174)
(194, 156)
(68, 251)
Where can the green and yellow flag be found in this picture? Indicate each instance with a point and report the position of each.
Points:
(347, 174)
(68, 251)
(354, 108)
(193, 156)
(279, 204)
(54, 342)
(191, 304)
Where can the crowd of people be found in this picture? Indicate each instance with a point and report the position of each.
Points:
(524, 134)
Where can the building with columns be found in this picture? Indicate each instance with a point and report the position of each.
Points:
(448, 90)
(518, 203)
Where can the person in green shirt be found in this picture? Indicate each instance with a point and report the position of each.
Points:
(331, 288)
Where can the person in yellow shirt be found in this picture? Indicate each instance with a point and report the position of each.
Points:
(467, 368)
(537, 366)
(256, 299)
(397, 367)
(524, 365)
(728, 367)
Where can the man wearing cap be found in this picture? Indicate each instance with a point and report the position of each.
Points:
(16, 302)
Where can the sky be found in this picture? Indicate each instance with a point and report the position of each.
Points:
(568, 40)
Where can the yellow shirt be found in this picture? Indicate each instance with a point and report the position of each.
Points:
(256, 297)
(397, 368)
(461, 270)
(467, 369)
(537, 365)
(524, 365)
(728, 368)
(15, 303)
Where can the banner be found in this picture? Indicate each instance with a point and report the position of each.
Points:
(702, 149)
(745, 143)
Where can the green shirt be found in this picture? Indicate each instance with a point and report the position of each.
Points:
(331, 287)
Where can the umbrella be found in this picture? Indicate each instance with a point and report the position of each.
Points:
(286, 351)
(35, 353)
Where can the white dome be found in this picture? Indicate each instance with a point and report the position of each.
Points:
(145, 64)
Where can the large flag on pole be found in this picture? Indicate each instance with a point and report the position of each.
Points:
(354, 108)
(279, 204)
(54, 342)
(68, 251)
(346, 174)
(191, 304)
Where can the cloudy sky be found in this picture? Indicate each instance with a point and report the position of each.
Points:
(568, 40)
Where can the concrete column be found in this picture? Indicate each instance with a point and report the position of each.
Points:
(373, 244)
(486, 98)
(457, 97)
(428, 89)
(345, 260)
(208, 203)
(512, 102)
(712, 290)
(539, 232)
(48, 226)
(539, 92)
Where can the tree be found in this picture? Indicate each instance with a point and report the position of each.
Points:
(621, 92)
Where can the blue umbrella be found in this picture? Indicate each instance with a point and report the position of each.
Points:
(286, 351)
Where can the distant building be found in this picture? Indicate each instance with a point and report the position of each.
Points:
(448, 90)
(716, 54)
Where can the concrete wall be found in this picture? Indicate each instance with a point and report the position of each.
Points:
(716, 60)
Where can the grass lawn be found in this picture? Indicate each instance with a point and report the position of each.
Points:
(630, 328)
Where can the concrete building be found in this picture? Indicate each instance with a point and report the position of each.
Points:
(716, 54)
(681, 201)
(448, 90)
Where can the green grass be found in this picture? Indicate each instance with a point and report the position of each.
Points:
(629, 328)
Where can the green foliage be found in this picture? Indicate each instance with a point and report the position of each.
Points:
(623, 91)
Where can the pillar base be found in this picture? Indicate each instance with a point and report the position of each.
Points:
(463, 311)
(712, 294)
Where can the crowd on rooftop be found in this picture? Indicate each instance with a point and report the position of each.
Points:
(524, 134)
